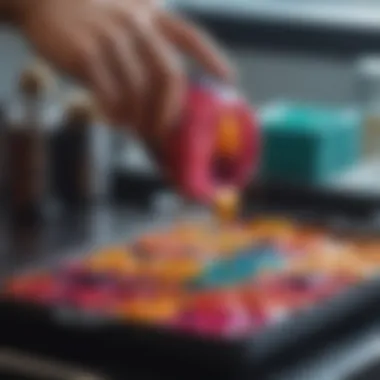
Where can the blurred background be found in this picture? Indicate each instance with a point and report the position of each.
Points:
(302, 63)
(301, 58)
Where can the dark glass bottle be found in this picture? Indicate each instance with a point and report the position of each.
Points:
(72, 154)
(3, 150)
(26, 156)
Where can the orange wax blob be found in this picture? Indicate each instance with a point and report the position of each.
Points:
(370, 252)
(116, 260)
(339, 263)
(180, 269)
(271, 228)
(309, 237)
(150, 310)
(192, 234)
(231, 240)
(152, 267)
(159, 246)
(229, 136)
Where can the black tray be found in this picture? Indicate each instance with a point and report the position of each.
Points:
(107, 343)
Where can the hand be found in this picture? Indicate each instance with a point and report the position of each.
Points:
(127, 52)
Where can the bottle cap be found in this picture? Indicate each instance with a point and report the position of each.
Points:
(35, 79)
(80, 108)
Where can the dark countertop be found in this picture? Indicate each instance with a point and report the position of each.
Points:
(70, 234)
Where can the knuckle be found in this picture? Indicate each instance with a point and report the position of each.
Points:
(169, 75)
(86, 52)
(138, 20)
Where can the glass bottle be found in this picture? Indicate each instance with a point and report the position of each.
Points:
(72, 170)
(368, 96)
(26, 156)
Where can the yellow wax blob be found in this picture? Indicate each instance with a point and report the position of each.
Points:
(226, 204)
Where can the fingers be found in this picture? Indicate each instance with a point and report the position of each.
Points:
(133, 67)
(96, 74)
(127, 68)
(166, 78)
(130, 63)
(109, 65)
(142, 69)
(168, 83)
(197, 44)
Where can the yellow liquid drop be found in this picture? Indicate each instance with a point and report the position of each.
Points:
(227, 205)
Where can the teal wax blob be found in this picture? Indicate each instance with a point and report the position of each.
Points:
(238, 268)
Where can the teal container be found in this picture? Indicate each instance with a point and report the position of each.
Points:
(307, 144)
